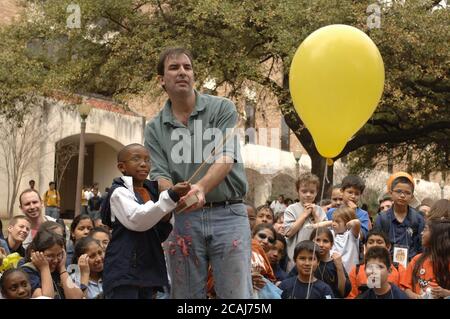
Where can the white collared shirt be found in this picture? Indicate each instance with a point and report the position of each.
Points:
(135, 216)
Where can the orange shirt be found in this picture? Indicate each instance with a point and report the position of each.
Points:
(394, 277)
(426, 276)
(143, 192)
(260, 262)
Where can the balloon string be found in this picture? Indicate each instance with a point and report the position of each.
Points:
(325, 179)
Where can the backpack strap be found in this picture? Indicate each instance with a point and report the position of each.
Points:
(384, 223)
(105, 211)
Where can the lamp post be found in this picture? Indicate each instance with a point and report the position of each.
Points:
(297, 156)
(442, 185)
(84, 110)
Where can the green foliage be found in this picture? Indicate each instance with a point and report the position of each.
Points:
(238, 43)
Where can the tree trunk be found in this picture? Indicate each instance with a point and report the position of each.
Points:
(318, 168)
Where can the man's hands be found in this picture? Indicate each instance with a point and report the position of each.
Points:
(196, 190)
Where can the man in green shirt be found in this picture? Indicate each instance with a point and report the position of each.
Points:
(215, 231)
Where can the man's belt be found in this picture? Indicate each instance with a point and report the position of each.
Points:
(223, 204)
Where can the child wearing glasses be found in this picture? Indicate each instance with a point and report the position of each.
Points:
(134, 266)
(46, 268)
(401, 222)
(299, 215)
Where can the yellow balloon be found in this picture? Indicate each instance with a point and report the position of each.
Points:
(336, 81)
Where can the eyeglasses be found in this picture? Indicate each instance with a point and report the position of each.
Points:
(400, 192)
(271, 240)
(138, 160)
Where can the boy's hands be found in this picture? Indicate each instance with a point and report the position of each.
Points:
(309, 208)
(181, 188)
(351, 204)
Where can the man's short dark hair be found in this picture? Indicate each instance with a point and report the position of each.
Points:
(51, 183)
(379, 253)
(353, 181)
(172, 52)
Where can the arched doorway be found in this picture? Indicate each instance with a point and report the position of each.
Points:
(99, 166)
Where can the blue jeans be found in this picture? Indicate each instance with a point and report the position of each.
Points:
(219, 237)
(52, 211)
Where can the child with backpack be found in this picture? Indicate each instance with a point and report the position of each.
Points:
(402, 223)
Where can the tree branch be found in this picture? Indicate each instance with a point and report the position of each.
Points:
(393, 136)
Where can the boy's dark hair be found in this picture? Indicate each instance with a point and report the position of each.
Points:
(99, 229)
(51, 183)
(43, 241)
(307, 245)
(122, 153)
(379, 253)
(261, 207)
(9, 272)
(379, 233)
(81, 246)
(353, 181)
(75, 223)
(172, 52)
(322, 230)
(306, 179)
(402, 180)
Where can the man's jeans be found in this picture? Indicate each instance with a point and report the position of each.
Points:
(219, 237)
(52, 211)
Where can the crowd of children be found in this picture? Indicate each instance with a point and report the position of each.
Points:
(304, 250)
